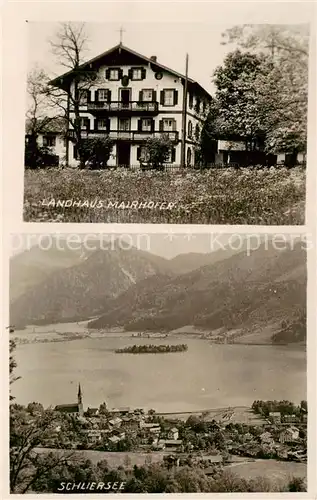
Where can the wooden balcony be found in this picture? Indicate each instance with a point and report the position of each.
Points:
(118, 107)
(125, 135)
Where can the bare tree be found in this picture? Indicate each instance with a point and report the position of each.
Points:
(38, 106)
(70, 91)
(37, 119)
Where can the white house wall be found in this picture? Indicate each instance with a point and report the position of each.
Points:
(168, 81)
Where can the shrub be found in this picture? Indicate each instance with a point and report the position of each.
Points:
(158, 150)
(95, 153)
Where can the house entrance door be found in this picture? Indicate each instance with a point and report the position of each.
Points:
(123, 154)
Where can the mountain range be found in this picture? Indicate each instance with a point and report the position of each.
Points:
(216, 293)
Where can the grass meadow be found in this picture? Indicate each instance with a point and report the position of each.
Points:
(263, 196)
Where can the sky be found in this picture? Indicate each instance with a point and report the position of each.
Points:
(166, 245)
(169, 41)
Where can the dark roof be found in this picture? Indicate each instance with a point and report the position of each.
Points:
(67, 77)
(68, 408)
(55, 124)
(93, 410)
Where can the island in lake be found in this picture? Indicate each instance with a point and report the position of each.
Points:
(150, 349)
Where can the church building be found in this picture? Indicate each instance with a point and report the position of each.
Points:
(73, 408)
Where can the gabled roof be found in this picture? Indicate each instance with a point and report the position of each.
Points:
(68, 408)
(96, 61)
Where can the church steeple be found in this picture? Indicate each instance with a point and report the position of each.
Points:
(80, 396)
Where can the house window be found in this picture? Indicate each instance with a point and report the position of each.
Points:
(147, 95)
(189, 156)
(190, 129)
(84, 123)
(146, 125)
(169, 124)
(113, 74)
(197, 132)
(197, 107)
(191, 101)
(136, 73)
(168, 99)
(143, 154)
(49, 141)
(170, 157)
(102, 124)
(124, 124)
(103, 95)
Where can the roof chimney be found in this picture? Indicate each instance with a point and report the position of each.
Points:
(153, 58)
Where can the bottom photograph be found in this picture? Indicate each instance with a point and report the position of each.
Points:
(158, 363)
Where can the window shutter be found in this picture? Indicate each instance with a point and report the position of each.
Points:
(153, 95)
(89, 95)
(161, 125)
(130, 73)
(173, 155)
(140, 125)
(162, 97)
(120, 73)
(143, 73)
(87, 124)
(152, 125)
(138, 153)
(96, 123)
(109, 96)
(108, 73)
(108, 124)
(175, 97)
(141, 96)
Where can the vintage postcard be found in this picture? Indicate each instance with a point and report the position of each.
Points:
(159, 305)
(155, 122)
(149, 364)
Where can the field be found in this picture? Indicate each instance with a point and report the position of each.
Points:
(272, 469)
(215, 196)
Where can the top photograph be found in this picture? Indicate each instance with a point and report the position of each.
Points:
(166, 123)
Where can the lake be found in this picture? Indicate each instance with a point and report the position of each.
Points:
(205, 376)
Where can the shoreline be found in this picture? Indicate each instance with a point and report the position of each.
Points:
(22, 338)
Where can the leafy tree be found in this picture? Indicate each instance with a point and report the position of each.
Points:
(35, 408)
(157, 150)
(282, 88)
(236, 95)
(12, 365)
(103, 409)
(95, 152)
(303, 405)
(27, 433)
(296, 484)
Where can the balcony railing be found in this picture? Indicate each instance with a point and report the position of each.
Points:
(118, 106)
(126, 135)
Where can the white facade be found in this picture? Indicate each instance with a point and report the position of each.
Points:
(145, 100)
(56, 144)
